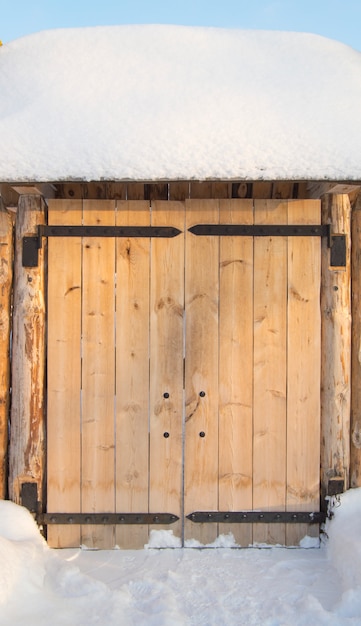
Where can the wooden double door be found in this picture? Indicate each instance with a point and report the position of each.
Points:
(183, 372)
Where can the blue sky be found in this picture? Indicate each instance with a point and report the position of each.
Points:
(337, 19)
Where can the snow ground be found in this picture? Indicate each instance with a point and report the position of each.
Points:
(268, 587)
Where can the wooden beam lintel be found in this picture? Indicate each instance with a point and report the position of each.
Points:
(317, 190)
(47, 190)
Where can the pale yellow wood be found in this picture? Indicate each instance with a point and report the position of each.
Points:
(6, 279)
(132, 373)
(27, 438)
(236, 369)
(98, 374)
(303, 367)
(64, 373)
(201, 370)
(336, 347)
(269, 391)
(166, 364)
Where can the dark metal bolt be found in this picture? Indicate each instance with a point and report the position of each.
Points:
(166, 435)
(202, 433)
(202, 394)
(166, 395)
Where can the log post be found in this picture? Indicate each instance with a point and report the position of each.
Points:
(355, 457)
(6, 274)
(26, 454)
(336, 350)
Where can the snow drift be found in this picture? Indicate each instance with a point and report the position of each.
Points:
(272, 587)
(171, 102)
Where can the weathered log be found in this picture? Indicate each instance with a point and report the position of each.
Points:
(336, 349)
(26, 452)
(355, 456)
(6, 274)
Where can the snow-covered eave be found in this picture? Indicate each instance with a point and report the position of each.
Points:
(178, 189)
(351, 180)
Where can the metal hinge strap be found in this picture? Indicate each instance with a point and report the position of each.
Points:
(107, 231)
(336, 242)
(106, 518)
(258, 230)
(263, 517)
(32, 244)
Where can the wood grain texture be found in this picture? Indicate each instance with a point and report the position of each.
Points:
(6, 284)
(355, 452)
(236, 369)
(27, 439)
(132, 373)
(303, 368)
(64, 373)
(166, 364)
(201, 370)
(269, 391)
(98, 374)
(336, 348)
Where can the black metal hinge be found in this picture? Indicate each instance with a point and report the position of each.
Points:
(106, 518)
(32, 244)
(257, 230)
(336, 242)
(257, 517)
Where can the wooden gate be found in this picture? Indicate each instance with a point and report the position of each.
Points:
(183, 372)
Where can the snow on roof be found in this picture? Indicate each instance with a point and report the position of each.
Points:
(172, 102)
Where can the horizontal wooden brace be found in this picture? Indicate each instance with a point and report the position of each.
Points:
(253, 517)
(106, 518)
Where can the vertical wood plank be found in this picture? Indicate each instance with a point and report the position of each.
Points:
(156, 191)
(98, 374)
(64, 373)
(116, 191)
(6, 279)
(336, 349)
(166, 364)
(201, 190)
(355, 452)
(135, 191)
(132, 373)
(303, 367)
(236, 369)
(179, 191)
(282, 190)
(262, 190)
(27, 440)
(201, 370)
(221, 190)
(269, 391)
